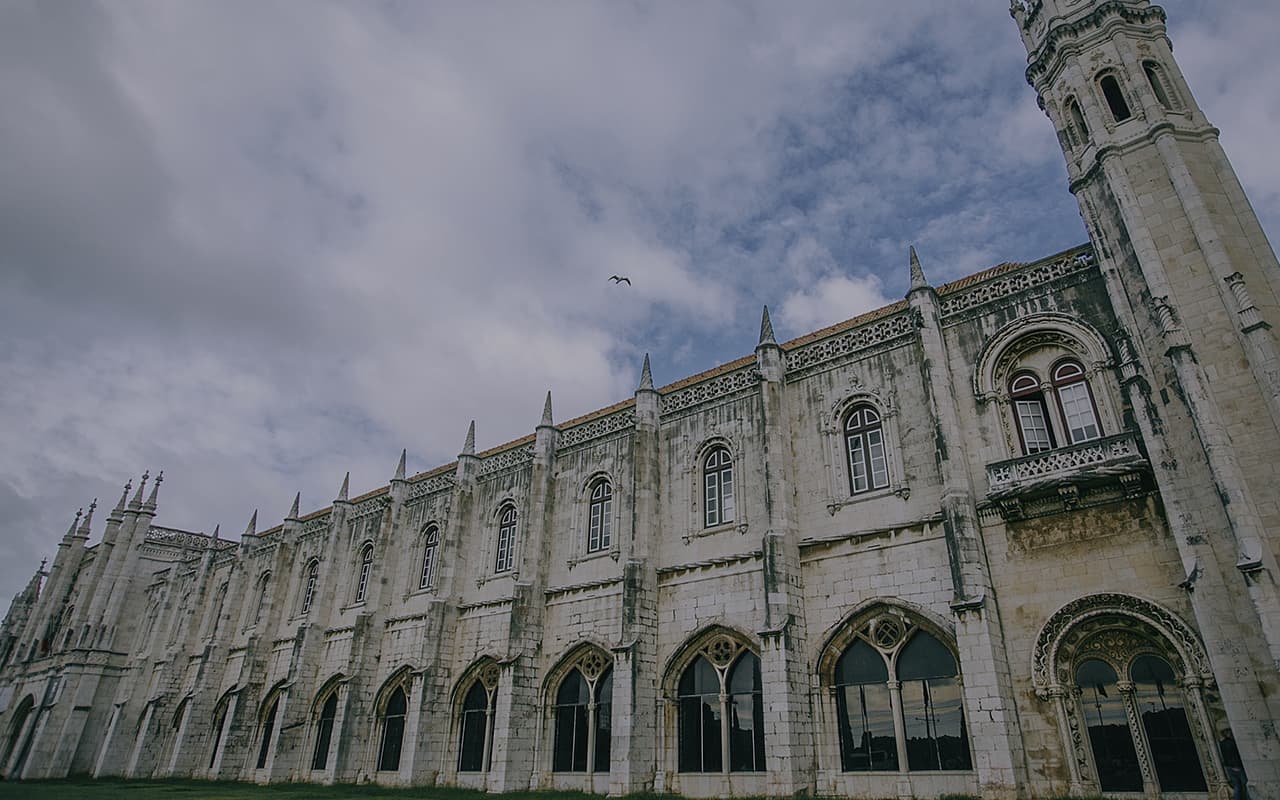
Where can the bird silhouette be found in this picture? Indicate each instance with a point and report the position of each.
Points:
(620, 279)
(1190, 583)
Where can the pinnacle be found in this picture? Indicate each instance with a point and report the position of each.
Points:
(86, 524)
(766, 328)
(124, 496)
(469, 446)
(918, 280)
(293, 512)
(217, 529)
(399, 476)
(136, 502)
(646, 376)
(252, 529)
(155, 488)
(346, 487)
(546, 412)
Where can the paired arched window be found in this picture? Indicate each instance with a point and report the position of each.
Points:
(721, 711)
(505, 553)
(266, 728)
(1114, 96)
(309, 590)
(430, 546)
(894, 677)
(1162, 725)
(583, 722)
(717, 483)
(366, 566)
(864, 446)
(600, 516)
(392, 724)
(324, 730)
(476, 729)
(1075, 404)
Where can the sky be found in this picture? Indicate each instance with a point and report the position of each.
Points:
(258, 244)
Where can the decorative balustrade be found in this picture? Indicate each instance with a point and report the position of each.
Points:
(1108, 457)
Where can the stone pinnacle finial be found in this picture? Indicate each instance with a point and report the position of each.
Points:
(252, 528)
(293, 511)
(136, 502)
(75, 523)
(217, 529)
(399, 476)
(469, 446)
(86, 524)
(124, 496)
(766, 328)
(346, 487)
(646, 376)
(155, 489)
(918, 281)
(546, 412)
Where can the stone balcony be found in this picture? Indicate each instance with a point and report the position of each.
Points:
(1089, 473)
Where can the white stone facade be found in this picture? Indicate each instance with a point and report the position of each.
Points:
(593, 607)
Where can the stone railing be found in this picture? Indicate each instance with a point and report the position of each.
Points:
(1110, 456)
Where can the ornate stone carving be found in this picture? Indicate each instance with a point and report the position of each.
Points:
(514, 458)
(436, 483)
(1016, 281)
(598, 428)
(713, 389)
(863, 337)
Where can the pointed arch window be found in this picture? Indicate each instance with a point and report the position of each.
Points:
(266, 728)
(1075, 400)
(392, 738)
(1114, 96)
(1029, 409)
(898, 701)
(505, 555)
(864, 446)
(430, 546)
(600, 519)
(219, 725)
(476, 729)
(721, 711)
(324, 731)
(309, 590)
(366, 566)
(583, 720)
(717, 482)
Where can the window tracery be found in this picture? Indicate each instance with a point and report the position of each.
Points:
(475, 719)
(582, 715)
(720, 709)
(324, 727)
(393, 709)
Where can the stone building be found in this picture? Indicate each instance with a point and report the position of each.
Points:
(1013, 536)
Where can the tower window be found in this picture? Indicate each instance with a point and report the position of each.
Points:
(1115, 98)
(1157, 84)
(1077, 120)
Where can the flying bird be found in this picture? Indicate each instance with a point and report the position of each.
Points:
(620, 279)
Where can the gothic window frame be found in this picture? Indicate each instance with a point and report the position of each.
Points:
(724, 650)
(388, 724)
(267, 725)
(717, 463)
(320, 743)
(263, 587)
(887, 629)
(506, 538)
(594, 666)
(364, 572)
(836, 451)
(223, 712)
(1118, 629)
(430, 561)
(1117, 99)
(484, 675)
(310, 580)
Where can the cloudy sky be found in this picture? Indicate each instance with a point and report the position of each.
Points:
(258, 244)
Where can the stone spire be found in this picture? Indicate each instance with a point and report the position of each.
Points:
(399, 476)
(646, 377)
(117, 513)
(86, 524)
(155, 490)
(346, 488)
(918, 280)
(252, 529)
(75, 523)
(766, 329)
(136, 503)
(293, 511)
(469, 446)
(546, 413)
(217, 529)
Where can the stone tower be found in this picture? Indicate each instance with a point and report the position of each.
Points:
(1195, 284)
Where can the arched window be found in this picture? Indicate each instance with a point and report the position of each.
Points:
(264, 583)
(893, 676)
(430, 544)
(1077, 119)
(219, 600)
(1114, 97)
(476, 729)
(864, 445)
(717, 481)
(1079, 414)
(1164, 720)
(721, 711)
(15, 733)
(309, 591)
(583, 723)
(1109, 736)
(600, 522)
(392, 730)
(266, 728)
(1029, 409)
(366, 566)
(324, 730)
(219, 724)
(505, 555)
(1157, 84)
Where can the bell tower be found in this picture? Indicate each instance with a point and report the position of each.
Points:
(1196, 290)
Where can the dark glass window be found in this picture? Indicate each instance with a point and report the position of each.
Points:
(1108, 727)
(700, 718)
(864, 444)
(572, 700)
(430, 543)
(1029, 408)
(366, 566)
(1164, 719)
(324, 731)
(219, 720)
(931, 707)
(746, 715)
(1077, 119)
(864, 712)
(475, 712)
(1079, 414)
(309, 593)
(717, 481)
(600, 525)
(268, 728)
(392, 731)
(505, 556)
(1115, 97)
(604, 720)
